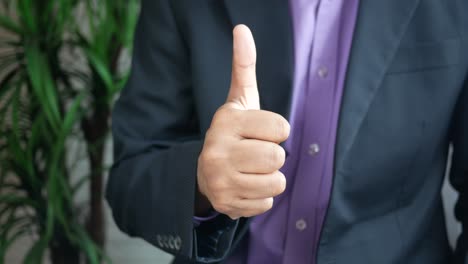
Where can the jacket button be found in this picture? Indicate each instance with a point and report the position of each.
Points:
(177, 243)
(159, 240)
(171, 242)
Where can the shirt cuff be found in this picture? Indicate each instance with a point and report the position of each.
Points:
(197, 220)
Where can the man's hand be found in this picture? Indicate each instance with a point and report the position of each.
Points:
(238, 169)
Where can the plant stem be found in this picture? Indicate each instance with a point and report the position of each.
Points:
(63, 252)
(95, 130)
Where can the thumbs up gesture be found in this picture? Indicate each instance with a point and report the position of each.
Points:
(238, 168)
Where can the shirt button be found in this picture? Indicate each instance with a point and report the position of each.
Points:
(323, 72)
(301, 224)
(314, 149)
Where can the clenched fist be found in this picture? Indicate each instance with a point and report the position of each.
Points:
(238, 168)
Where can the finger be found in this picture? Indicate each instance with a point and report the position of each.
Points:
(256, 156)
(260, 186)
(251, 207)
(261, 125)
(243, 93)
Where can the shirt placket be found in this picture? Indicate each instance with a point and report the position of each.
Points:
(309, 199)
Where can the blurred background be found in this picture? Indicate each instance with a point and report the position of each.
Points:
(62, 65)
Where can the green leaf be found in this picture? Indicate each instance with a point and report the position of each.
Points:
(12, 229)
(32, 146)
(7, 185)
(8, 63)
(8, 24)
(58, 190)
(5, 82)
(36, 253)
(121, 83)
(7, 95)
(26, 13)
(8, 224)
(14, 139)
(8, 241)
(10, 43)
(12, 199)
(43, 84)
(72, 115)
(130, 22)
(50, 217)
(15, 117)
(101, 68)
(87, 245)
(14, 223)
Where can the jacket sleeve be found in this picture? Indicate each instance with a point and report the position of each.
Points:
(157, 141)
(459, 140)
(459, 172)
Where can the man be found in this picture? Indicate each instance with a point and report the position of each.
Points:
(374, 92)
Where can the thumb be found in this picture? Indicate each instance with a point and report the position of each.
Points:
(243, 93)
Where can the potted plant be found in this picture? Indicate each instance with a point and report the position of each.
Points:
(60, 70)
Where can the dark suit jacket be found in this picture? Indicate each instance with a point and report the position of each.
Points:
(405, 102)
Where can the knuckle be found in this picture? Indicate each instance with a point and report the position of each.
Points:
(277, 156)
(216, 184)
(220, 187)
(217, 206)
(282, 128)
(281, 155)
(237, 152)
(243, 66)
(225, 202)
(267, 204)
(222, 117)
(221, 113)
(237, 181)
(215, 153)
(233, 216)
(248, 85)
(215, 187)
(230, 115)
(221, 207)
(280, 183)
(209, 156)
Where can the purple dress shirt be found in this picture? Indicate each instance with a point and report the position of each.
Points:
(290, 231)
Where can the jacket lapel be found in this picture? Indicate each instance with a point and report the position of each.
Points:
(380, 27)
(270, 23)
